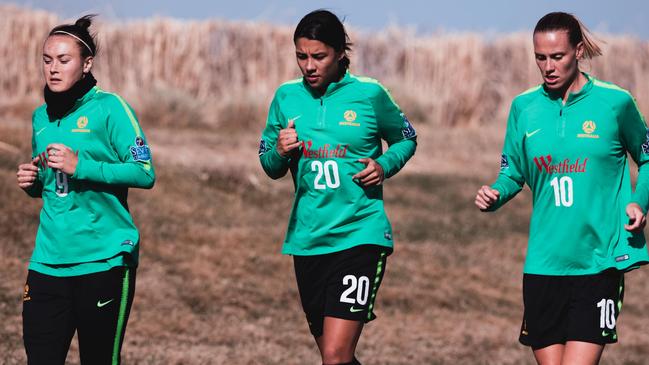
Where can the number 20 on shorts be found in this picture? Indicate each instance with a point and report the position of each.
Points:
(359, 285)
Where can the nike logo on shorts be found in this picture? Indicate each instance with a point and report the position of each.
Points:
(608, 333)
(355, 310)
(100, 304)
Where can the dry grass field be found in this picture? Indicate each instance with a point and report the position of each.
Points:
(212, 287)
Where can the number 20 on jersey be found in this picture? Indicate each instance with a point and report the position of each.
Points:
(326, 174)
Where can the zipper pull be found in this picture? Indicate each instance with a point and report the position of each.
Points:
(560, 112)
(320, 101)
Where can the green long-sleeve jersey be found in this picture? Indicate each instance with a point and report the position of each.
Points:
(574, 158)
(332, 212)
(85, 216)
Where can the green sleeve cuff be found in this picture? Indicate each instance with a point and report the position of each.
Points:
(385, 165)
(640, 198)
(507, 189)
(393, 160)
(87, 170)
(277, 156)
(274, 164)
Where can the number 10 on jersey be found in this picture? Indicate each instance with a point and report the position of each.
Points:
(328, 170)
(562, 191)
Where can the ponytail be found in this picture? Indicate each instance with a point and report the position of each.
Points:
(591, 48)
(577, 31)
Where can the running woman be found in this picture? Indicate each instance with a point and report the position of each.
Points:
(326, 128)
(568, 139)
(87, 150)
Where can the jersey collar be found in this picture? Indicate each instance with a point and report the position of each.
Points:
(84, 99)
(332, 88)
(88, 95)
(572, 97)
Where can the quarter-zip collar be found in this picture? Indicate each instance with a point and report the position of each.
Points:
(85, 98)
(572, 97)
(331, 89)
(78, 103)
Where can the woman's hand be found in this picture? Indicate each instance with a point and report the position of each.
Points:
(637, 218)
(486, 197)
(28, 173)
(287, 140)
(60, 156)
(371, 175)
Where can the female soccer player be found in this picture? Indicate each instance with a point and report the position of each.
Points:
(327, 127)
(568, 140)
(88, 149)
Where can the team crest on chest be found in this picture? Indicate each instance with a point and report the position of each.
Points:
(589, 129)
(82, 123)
(350, 119)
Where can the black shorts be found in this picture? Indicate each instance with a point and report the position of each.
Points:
(340, 284)
(96, 306)
(571, 308)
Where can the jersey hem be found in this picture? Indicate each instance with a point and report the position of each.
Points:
(625, 268)
(300, 252)
(82, 268)
(132, 251)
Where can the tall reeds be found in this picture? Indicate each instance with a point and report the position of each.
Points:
(225, 68)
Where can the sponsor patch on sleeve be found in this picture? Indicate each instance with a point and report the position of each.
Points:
(504, 163)
(645, 145)
(263, 147)
(408, 131)
(140, 151)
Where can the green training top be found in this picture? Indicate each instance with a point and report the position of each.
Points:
(331, 212)
(85, 217)
(574, 158)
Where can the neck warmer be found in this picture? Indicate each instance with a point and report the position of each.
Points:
(59, 104)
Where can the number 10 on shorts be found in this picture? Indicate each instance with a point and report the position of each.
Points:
(606, 313)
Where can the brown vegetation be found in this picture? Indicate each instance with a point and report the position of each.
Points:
(212, 287)
(444, 79)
